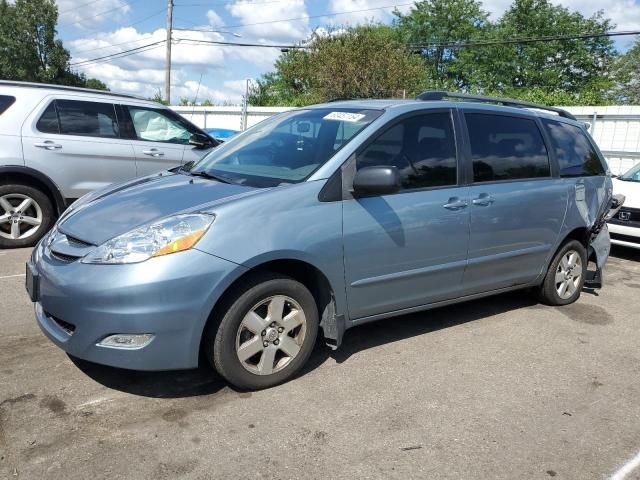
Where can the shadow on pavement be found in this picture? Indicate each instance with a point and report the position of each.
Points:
(625, 253)
(204, 381)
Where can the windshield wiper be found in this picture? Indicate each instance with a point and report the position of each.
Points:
(211, 176)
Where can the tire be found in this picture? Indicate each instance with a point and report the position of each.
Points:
(273, 345)
(38, 209)
(565, 278)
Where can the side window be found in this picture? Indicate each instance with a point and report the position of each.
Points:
(48, 122)
(5, 102)
(421, 147)
(157, 126)
(576, 156)
(89, 119)
(506, 148)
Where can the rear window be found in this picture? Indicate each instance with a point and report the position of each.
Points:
(576, 155)
(91, 119)
(48, 122)
(506, 148)
(5, 102)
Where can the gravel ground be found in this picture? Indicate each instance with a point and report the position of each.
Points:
(498, 388)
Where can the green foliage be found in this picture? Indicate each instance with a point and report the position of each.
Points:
(157, 97)
(359, 62)
(380, 61)
(627, 74)
(571, 71)
(29, 50)
(441, 21)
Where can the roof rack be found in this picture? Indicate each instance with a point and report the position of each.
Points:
(67, 88)
(435, 95)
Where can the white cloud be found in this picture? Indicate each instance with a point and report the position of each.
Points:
(214, 19)
(254, 16)
(83, 14)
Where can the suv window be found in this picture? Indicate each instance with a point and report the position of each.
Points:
(5, 102)
(156, 125)
(48, 122)
(575, 153)
(421, 147)
(506, 148)
(91, 119)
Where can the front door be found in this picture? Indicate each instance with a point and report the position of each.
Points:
(410, 248)
(517, 207)
(159, 138)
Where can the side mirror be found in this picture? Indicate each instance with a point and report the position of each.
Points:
(200, 140)
(377, 180)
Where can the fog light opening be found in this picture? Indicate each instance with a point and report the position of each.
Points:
(127, 341)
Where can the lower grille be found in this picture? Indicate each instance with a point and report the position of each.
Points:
(624, 238)
(68, 328)
(64, 258)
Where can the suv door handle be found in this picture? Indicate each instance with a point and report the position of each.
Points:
(455, 203)
(154, 152)
(483, 200)
(48, 145)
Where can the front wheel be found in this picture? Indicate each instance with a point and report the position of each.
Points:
(266, 334)
(26, 214)
(566, 275)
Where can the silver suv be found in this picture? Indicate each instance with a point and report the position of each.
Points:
(58, 143)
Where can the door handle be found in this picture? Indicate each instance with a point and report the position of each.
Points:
(483, 200)
(154, 152)
(455, 203)
(48, 145)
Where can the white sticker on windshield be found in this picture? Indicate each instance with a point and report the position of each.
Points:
(344, 116)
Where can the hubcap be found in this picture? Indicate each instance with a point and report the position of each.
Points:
(20, 216)
(270, 335)
(568, 274)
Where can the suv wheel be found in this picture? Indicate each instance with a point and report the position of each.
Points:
(566, 275)
(267, 333)
(25, 215)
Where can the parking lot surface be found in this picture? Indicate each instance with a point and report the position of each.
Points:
(498, 388)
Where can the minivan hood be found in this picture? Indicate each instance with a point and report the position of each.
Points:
(127, 206)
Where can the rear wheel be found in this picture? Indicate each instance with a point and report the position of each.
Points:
(566, 275)
(266, 334)
(26, 214)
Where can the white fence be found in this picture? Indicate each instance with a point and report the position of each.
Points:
(615, 129)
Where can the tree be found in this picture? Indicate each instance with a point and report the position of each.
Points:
(442, 21)
(359, 62)
(627, 76)
(29, 50)
(572, 71)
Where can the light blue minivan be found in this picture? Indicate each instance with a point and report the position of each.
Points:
(320, 219)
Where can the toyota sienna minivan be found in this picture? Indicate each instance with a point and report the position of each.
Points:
(320, 219)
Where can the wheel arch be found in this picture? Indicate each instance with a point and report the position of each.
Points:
(300, 270)
(34, 178)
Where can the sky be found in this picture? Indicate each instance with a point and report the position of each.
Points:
(92, 29)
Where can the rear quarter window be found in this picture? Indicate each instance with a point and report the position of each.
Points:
(5, 102)
(575, 153)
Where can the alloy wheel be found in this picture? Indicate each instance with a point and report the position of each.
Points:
(568, 274)
(270, 335)
(20, 216)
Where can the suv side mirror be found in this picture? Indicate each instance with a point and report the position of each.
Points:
(200, 140)
(378, 180)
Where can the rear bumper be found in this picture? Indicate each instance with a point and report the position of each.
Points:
(169, 297)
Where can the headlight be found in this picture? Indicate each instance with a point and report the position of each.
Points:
(170, 235)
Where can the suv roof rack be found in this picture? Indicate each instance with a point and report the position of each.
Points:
(436, 95)
(67, 88)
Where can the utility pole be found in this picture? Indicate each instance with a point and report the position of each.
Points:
(167, 67)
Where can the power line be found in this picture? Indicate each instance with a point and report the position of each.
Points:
(310, 16)
(234, 44)
(224, 4)
(79, 22)
(124, 53)
(523, 40)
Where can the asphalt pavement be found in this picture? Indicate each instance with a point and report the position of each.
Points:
(500, 388)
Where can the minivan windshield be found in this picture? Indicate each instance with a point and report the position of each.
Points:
(286, 148)
(632, 175)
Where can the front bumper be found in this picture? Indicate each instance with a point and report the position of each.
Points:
(628, 236)
(170, 297)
